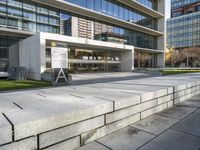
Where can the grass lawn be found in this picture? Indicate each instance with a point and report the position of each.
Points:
(15, 85)
(173, 72)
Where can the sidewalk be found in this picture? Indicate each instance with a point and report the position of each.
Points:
(175, 129)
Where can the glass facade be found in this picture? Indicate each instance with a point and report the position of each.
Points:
(5, 41)
(30, 16)
(184, 31)
(120, 11)
(110, 33)
(145, 60)
(181, 3)
(86, 60)
(153, 4)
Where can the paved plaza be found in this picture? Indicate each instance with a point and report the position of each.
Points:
(175, 129)
(105, 114)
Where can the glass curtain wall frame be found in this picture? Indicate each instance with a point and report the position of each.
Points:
(184, 31)
(106, 32)
(145, 60)
(119, 10)
(30, 16)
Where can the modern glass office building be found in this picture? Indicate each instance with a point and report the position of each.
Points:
(183, 29)
(137, 23)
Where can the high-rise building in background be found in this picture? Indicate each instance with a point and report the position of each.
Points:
(183, 28)
(139, 23)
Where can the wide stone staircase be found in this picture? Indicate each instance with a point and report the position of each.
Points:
(66, 118)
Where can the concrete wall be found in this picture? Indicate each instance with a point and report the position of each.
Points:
(30, 56)
(161, 44)
(14, 55)
(127, 61)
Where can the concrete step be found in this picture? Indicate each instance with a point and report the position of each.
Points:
(73, 116)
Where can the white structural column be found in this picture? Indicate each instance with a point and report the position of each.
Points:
(161, 43)
(127, 61)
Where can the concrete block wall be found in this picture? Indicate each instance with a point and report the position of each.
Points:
(81, 132)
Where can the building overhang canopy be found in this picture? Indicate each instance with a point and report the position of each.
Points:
(15, 33)
(147, 50)
(85, 43)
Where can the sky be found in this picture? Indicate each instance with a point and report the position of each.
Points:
(168, 8)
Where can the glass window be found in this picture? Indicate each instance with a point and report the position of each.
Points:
(198, 8)
(43, 18)
(54, 12)
(29, 5)
(3, 21)
(17, 3)
(3, 1)
(111, 7)
(3, 9)
(104, 6)
(42, 9)
(54, 21)
(14, 23)
(30, 26)
(29, 15)
(14, 12)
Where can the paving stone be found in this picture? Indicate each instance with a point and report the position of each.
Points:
(67, 111)
(193, 102)
(155, 124)
(26, 144)
(183, 98)
(179, 94)
(93, 146)
(153, 110)
(189, 103)
(8, 106)
(178, 112)
(69, 144)
(147, 92)
(173, 140)
(120, 99)
(170, 104)
(190, 124)
(177, 84)
(165, 99)
(100, 132)
(55, 136)
(120, 114)
(5, 130)
(126, 139)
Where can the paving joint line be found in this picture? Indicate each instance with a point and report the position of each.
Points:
(12, 125)
(166, 129)
(142, 130)
(185, 117)
(185, 132)
(103, 145)
(18, 106)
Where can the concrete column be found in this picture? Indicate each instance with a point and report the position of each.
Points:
(14, 55)
(43, 54)
(161, 60)
(127, 61)
(161, 43)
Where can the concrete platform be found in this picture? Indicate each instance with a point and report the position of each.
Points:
(157, 132)
(3, 74)
(73, 116)
(89, 78)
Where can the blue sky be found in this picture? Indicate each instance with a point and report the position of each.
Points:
(168, 8)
